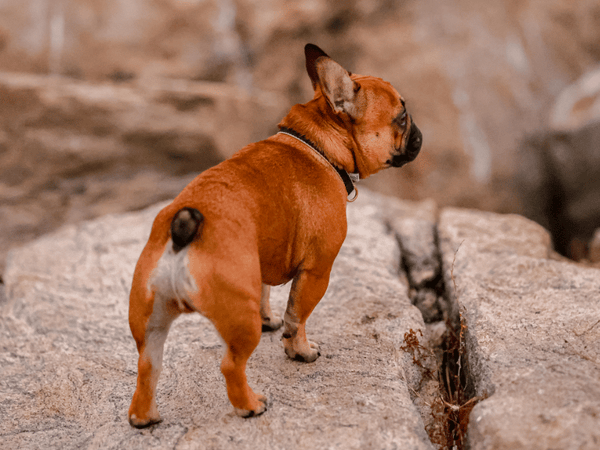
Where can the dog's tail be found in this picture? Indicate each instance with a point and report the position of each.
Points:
(185, 227)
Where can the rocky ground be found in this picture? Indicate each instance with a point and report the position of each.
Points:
(434, 315)
(531, 331)
(440, 327)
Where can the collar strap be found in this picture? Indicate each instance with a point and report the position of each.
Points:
(348, 179)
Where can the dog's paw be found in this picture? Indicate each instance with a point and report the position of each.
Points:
(308, 354)
(261, 408)
(272, 323)
(136, 422)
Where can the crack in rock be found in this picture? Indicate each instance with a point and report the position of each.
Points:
(442, 356)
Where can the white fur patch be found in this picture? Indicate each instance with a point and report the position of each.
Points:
(171, 279)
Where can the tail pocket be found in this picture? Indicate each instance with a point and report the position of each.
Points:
(185, 227)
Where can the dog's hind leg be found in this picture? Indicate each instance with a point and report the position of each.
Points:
(270, 321)
(241, 333)
(307, 290)
(150, 318)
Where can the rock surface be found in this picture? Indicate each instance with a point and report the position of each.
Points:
(532, 333)
(509, 60)
(72, 150)
(68, 362)
(415, 226)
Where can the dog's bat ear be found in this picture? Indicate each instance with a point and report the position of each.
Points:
(312, 53)
(339, 89)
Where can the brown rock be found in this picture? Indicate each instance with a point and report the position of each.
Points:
(71, 150)
(531, 333)
(478, 76)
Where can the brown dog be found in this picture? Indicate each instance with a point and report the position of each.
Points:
(274, 212)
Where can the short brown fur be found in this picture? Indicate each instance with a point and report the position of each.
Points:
(274, 212)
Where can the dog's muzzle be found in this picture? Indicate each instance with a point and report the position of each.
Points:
(413, 146)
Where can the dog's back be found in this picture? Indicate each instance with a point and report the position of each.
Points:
(243, 206)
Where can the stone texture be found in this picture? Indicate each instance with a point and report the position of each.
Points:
(119, 40)
(68, 362)
(532, 333)
(414, 224)
(509, 60)
(72, 150)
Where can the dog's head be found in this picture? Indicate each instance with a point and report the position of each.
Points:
(373, 112)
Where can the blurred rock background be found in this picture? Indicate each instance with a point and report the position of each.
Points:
(113, 105)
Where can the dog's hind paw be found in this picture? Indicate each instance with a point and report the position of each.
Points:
(247, 413)
(272, 323)
(134, 421)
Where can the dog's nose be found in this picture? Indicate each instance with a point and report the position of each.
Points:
(415, 140)
(413, 146)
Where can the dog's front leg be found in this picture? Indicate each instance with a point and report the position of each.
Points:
(307, 290)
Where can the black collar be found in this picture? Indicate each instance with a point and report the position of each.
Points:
(350, 189)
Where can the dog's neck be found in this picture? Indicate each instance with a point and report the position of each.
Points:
(348, 179)
(330, 136)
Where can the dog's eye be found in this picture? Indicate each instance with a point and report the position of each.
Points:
(401, 119)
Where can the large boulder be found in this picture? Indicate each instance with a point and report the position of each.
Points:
(68, 362)
(478, 76)
(119, 40)
(531, 333)
(514, 325)
(73, 150)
